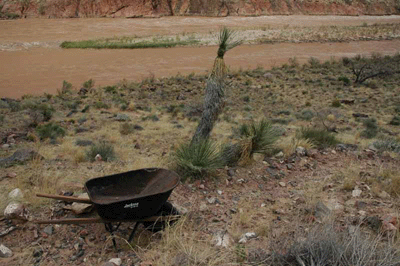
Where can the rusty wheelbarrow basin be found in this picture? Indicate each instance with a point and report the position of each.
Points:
(131, 195)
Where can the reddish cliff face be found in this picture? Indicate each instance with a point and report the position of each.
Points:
(156, 8)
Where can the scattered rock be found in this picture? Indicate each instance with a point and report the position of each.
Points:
(98, 158)
(383, 195)
(289, 166)
(374, 222)
(137, 127)
(5, 146)
(246, 237)
(231, 172)
(16, 211)
(11, 175)
(360, 115)
(213, 200)
(300, 151)
(356, 192)
(321, 210)
(15, 195)
(279, 155)
(282, 184)
(5, 252)
(346, 147)
(49, 230)
(116, 261)
(137, 146)
(122, 117)
(360, 204)
(388, 227)
(222, 239)
(20, 157)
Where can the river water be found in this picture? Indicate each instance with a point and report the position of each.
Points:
(32, 63)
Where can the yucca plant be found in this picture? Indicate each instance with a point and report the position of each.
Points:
(261, 135)
(198, 159)
(215, 95)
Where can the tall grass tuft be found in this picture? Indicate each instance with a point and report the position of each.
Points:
(50, 131)
(105, 149)
(198, 159)
(319, 137)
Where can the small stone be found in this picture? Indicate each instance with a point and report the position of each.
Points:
(16, 211)
(49, 230)
(384, 195)
(279, 155)
(137, 146)
(360, 204)
(80, 208)
(356, 193)
(15, 195)
(247, 236)
(362, 213)
(203, 207)
(263, 205)
(219, 192)
(222, 239)
(116, 261)
(11, 175)
(321, 210)
(5, 252)
(5, 146)
(289, 166)
(231, 172)
(98, 158)
(201, 186)
(241, 180)
(300, 151)
(282, 184)
(212, 200)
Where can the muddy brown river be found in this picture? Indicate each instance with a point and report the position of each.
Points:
(32, 63)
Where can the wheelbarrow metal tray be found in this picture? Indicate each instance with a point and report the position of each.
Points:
(131, 195)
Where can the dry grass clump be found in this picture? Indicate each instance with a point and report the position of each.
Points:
(320, 137)
(288, 147)
(326, 246)
(105, 149)
(186, 243)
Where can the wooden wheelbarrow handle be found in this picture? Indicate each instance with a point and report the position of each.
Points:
(100, 220)
(65, 198)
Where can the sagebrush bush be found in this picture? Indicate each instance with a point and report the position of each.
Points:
(319, 137)
(395, 121)
(105, 149)
(387, 144)
(326, 246)
(306, 115)
(50, 131)
(197, 159)
(371, 128)
(126, 129)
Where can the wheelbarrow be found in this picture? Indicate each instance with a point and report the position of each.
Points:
(136, 196)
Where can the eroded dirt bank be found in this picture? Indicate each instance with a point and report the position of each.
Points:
(156, 8)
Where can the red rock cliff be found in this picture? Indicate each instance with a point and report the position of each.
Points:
(155, 8)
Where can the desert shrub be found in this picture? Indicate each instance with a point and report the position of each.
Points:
(364, 68)
(153, 118)
(100, 105)
(346, 81)
(50, 131)
(387, 144)
(110, 89)
(397, 109)
(126, 129)
(395, 121)
(319, 137)
(2, 118)
(88, 84)
(105, 149)
(198, 159)
(336, 103)
(15, 106)
(326, 246)
(314, 62)
(306, 115)
(371, 128)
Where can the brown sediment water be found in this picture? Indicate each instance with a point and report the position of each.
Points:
(32, 63)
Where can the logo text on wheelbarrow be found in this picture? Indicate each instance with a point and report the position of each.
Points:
(131, 205)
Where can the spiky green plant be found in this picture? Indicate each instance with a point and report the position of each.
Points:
(197, 159)
(261, 134)
(215, 94)
(319, 137)
(105, 149)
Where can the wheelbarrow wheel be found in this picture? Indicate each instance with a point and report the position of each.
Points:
(166, 209)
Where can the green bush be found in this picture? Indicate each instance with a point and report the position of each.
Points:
(126, 129)
(88, 84)
(50, 131)
(319, 137)
(387, 144)
(198, 159)
(395, 121)
(336, 103)
(105, 149)
(306, 115)
(346, 81)
(371, 128)
(100, 105)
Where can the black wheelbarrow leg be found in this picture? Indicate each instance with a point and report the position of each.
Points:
(133, 232)
(109, 227)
